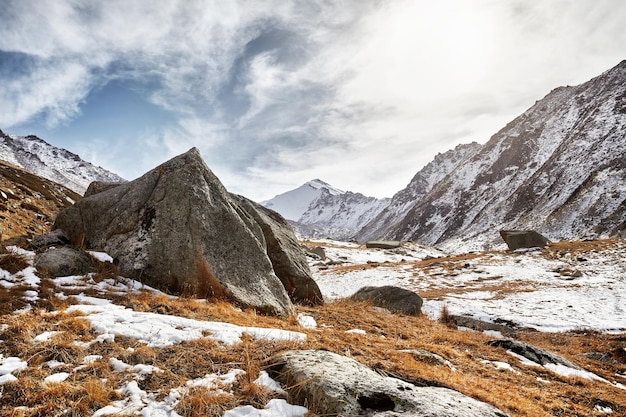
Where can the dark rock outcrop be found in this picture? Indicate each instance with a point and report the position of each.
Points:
(533, 353)
(394, 299)
(178, 229)
(523, 239)
(337, 385)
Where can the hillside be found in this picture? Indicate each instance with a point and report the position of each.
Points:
(558, 168)
(59, 165)
(28, 202)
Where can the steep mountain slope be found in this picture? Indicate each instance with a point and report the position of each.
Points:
(316, 209)
(559, 168)
(29, 203)
(55, 164)
(420, 185)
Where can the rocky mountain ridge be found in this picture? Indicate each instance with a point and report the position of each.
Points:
(560, 168)
(56, 164)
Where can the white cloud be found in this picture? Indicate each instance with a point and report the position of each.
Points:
(360, 94)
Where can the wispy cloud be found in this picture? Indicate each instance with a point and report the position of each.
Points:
(361, 94)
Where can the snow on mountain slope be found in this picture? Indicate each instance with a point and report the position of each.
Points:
(559, 168)
(55, 164)
(292, 204)
(420, 185)
(316, 209)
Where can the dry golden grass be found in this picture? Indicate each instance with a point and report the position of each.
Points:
(93, 386)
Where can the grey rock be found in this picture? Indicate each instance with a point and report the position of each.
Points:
(99, 186)
(336, 385)
(533, 353)
(285, 253)
(383, 244)
(63, 261)
(319, 251)
(422, 355)
(178, 229)
(394, 299)
(479, 325)
(54, 238)
(523, 239)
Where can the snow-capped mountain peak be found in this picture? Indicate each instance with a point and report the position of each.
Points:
(56, 164)
(293, 204)
(319, 184)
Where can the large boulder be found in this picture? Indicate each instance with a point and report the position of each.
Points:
(178, 229)
(337, 385)
(394, 299)
(523, 239)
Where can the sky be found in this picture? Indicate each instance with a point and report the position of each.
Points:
(359, 93)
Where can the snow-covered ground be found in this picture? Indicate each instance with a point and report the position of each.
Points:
(528, 288)
(155, 330)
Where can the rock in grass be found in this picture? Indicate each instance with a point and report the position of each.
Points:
(178, 229)
(394, 299)
(333, 384)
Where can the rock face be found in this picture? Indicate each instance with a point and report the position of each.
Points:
(337, 385)
(394, 299)
(178, 229)
(523, 239)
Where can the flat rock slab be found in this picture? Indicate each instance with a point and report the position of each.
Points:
(332, 384)
(383, 244)
(533, 353)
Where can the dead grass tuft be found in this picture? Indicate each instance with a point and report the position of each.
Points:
(13, 262)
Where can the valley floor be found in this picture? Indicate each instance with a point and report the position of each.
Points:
(105, 345)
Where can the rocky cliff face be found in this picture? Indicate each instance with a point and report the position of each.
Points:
(559, 168)
(55, 164)
(422, 183)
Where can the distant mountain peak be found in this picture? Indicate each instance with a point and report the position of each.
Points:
(319, 184)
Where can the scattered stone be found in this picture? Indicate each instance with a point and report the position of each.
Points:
(54, 238)
(523, 239)
(63, 261)
(383, 244)
(533, 353)
(319, 251)
(426, 356)
(178, 229)
(336, 385)
(479, 325)
(394, 299)
(601, 357)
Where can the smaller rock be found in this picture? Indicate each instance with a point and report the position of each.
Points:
(426, 356)
(383, 244)
(533, 353)
(523, 239)
(319, 251)
(479, 325)
(54, 238)
(63, 261)
(394, 299)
